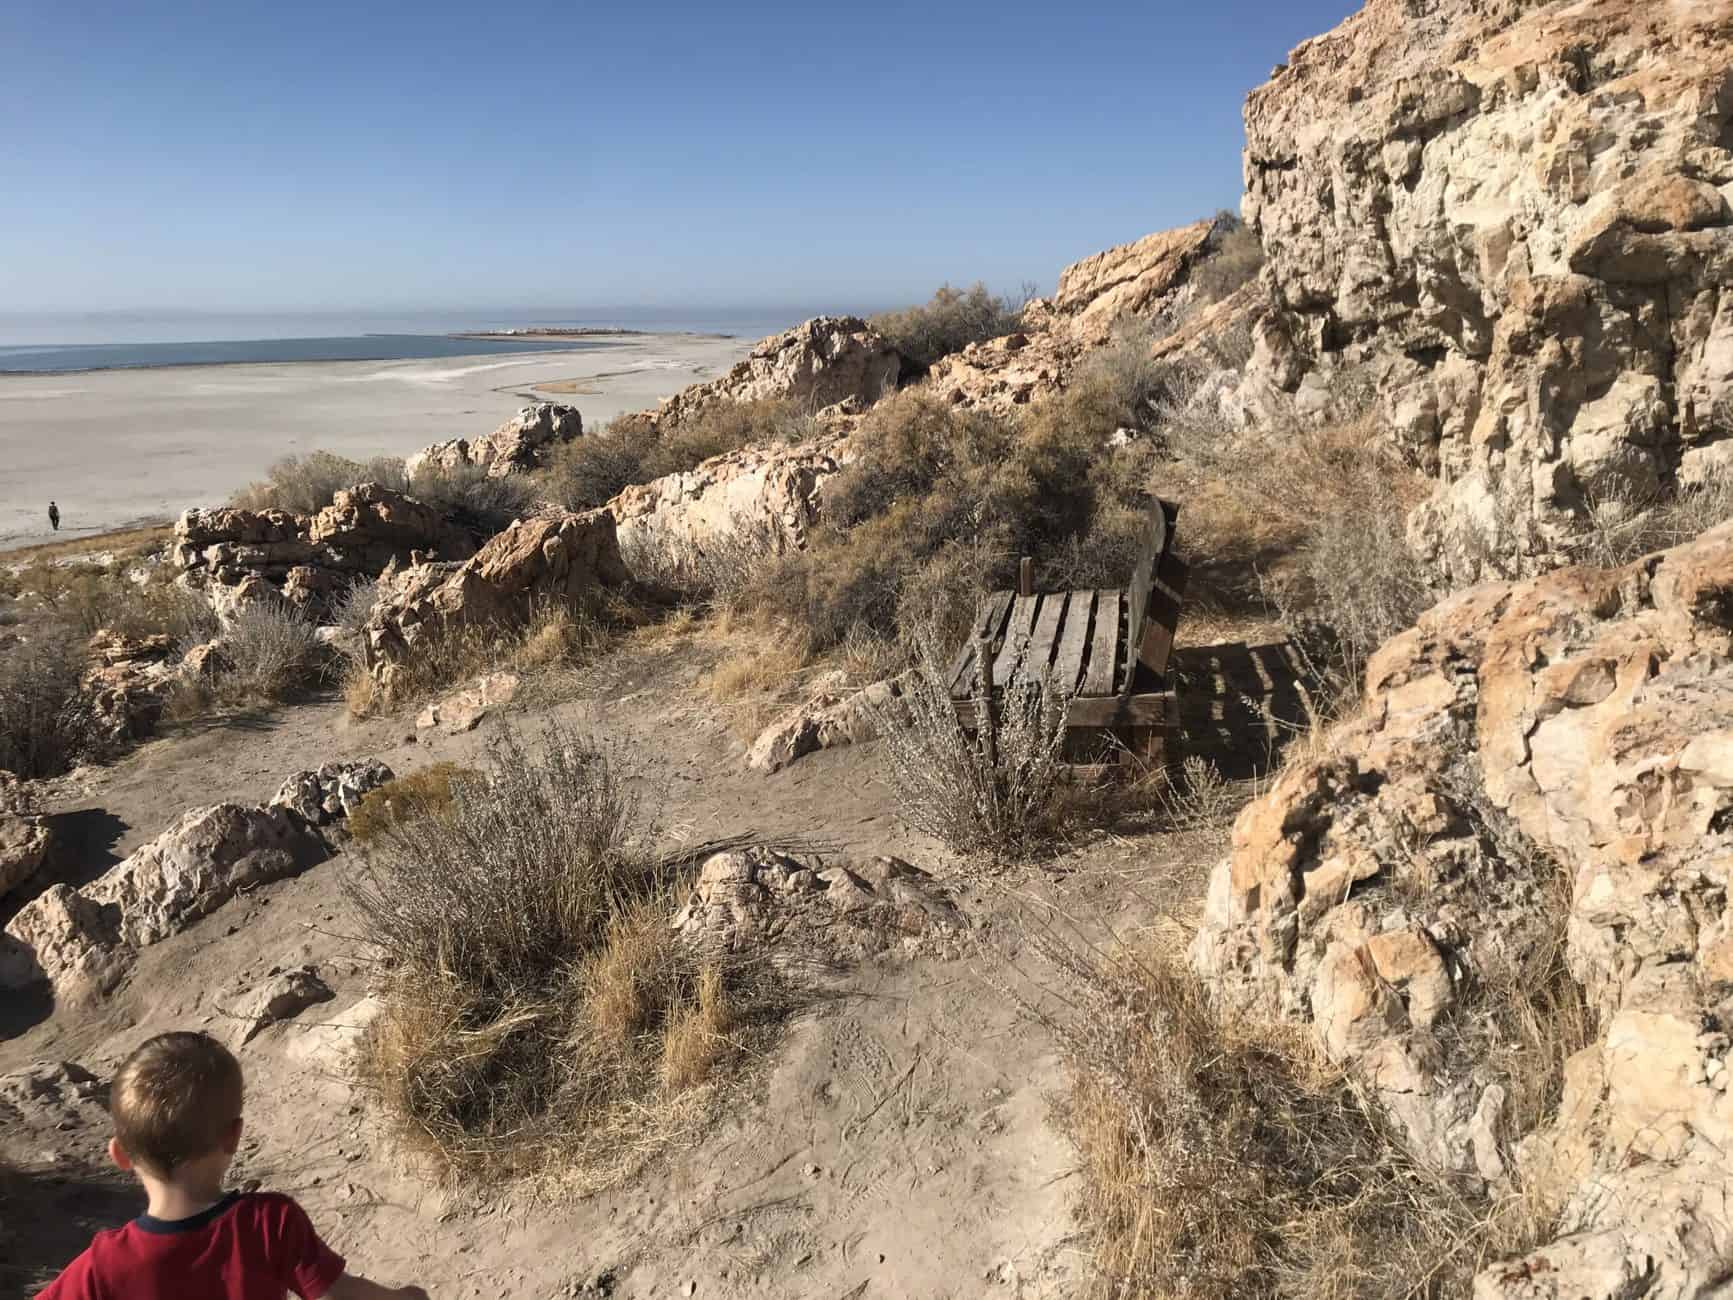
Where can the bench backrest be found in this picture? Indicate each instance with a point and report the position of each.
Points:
(1154, 596)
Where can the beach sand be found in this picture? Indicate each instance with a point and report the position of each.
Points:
(121, 447)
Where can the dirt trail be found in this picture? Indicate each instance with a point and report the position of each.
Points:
(896, 1142)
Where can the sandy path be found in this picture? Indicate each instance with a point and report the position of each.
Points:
(896, 1143)
(117, 446)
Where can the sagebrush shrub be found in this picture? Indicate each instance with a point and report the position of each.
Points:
(305, 485)
(994, 792)
(948, 322)
(47, 724)
(539, 1013)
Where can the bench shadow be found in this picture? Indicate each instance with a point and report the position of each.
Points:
(1240, 704)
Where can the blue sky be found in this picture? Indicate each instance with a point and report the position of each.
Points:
(304, 155)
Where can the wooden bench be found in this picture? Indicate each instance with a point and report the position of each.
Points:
(1107, 650)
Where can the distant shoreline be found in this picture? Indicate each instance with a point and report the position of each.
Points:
(585, 332)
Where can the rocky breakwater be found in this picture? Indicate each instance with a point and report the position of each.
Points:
(1529, 822)
(551, 561)
(239, 556)
(1148, 279)
(1517, 215)
(516, 447)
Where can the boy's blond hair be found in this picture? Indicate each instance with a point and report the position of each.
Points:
(175, 1099)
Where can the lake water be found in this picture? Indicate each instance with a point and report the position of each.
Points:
(68, 342)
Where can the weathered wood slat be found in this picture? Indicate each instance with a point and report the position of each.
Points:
(1103, 645)
(1161, 622)
(1045, 638)
(1149, 558)
(1073, 641)
(1153, 710)
(964, 677)
(1017, 629)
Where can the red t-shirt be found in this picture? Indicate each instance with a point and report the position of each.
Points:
(245, 1247)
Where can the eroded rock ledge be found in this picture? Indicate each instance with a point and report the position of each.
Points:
(1382, 888)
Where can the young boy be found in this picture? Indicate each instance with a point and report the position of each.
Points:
(176, 1105)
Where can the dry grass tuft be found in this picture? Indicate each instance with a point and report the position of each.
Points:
(540, 1017)
(426, 793)
(1224, 1156)
(696, 1037)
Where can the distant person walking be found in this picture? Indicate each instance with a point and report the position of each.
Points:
(54, 516)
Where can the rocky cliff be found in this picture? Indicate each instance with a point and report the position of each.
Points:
(1517, 214)
(1499, 894)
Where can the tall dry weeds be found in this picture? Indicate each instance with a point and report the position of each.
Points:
(541, 1018)
(995, 792)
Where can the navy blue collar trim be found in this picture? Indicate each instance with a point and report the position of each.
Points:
(203, 1218)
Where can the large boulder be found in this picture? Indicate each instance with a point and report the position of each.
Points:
(1538, 765)
(64, 940)
(24, 836)
(201, 862)
(516, 447)
(763, 497)
(1515, 213)
(819, 363)
(552, 561)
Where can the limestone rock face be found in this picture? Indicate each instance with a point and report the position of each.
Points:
(1537, 763)
(329, 794)
(65, 940)
(762, 497)
(516, 447)
(1137, 279)
(282, 995)
(754, 898)
(1145, 279)
(1515, 212)
(821, 362)
(240, 557)
(199, 863)
(24, 836)
(830, 719)
(557, 559)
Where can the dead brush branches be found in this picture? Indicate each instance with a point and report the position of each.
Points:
(541, 1018)
(995, 792)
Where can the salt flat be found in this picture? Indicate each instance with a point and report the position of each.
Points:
(116, 447)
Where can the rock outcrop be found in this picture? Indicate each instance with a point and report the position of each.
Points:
(127, 685)
(465, 709)
(81, 941)
(764, 498)
(516, 447)
(281, 995)
(819, 363)
(24, 836)
(1516, 213)
(551, 561)
(1148, 279)
(242, 556)
(1539, 767)
(327, 795)
(832, 717)
(759, 899)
